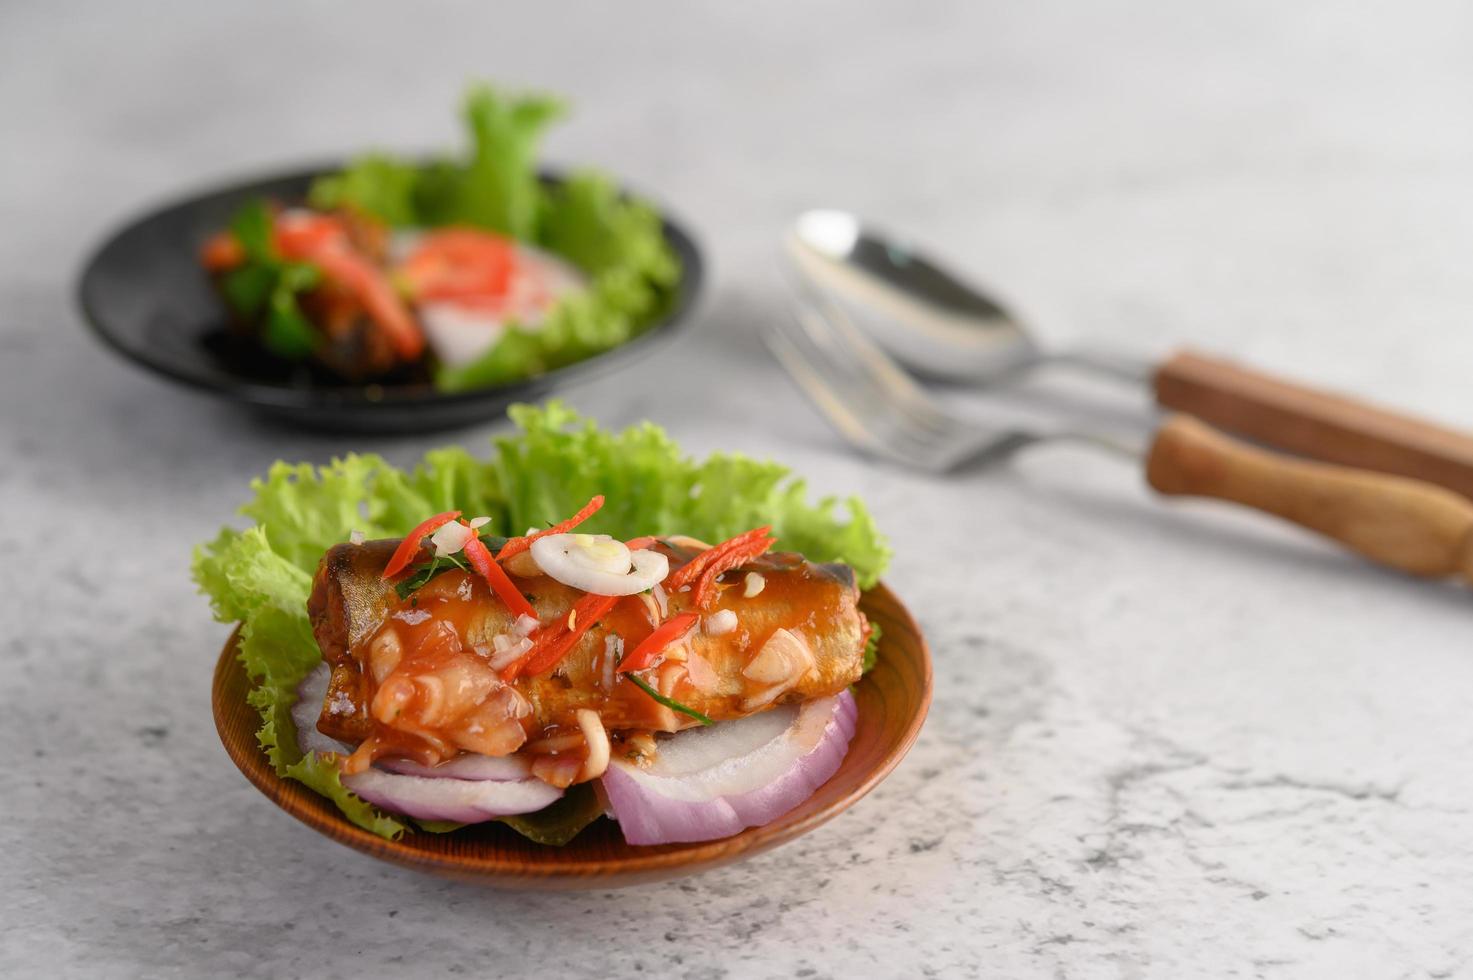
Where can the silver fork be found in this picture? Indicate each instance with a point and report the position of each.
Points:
(1410, 525)
(879, 407)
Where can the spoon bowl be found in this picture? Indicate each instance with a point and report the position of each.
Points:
(933, 322)
(930, 319)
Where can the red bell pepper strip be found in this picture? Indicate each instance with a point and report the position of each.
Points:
(703, 570)
(302, 236)
(635, 544)
(516, 546)
(409, 547)
(459, 264)
(650, 648)
(506, 590)
(551, 643)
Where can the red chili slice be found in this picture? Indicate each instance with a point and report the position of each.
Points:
(650, 648)
(551, 643)
(732, 558)
(516, 546)
(506, 590)
(302, 236)
(702, 570)
(409, 547)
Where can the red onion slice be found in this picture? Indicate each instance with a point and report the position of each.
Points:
(307, 709)
(709, 783)
(458, 800)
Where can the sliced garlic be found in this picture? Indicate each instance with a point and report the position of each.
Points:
(720, 623)
(753, 584)
(785, 656)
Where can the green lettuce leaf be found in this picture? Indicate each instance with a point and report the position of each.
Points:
(323, 777)
(376, 183)
(559, 822)
(619, 245)
(261, 576)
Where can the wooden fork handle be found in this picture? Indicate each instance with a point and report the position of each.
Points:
(1407, 524)
(1314, 423)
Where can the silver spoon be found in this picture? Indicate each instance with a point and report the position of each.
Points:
(940, 326)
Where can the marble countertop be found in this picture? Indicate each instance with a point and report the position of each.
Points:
(1168, 740)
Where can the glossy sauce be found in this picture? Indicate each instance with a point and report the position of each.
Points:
(432, 690)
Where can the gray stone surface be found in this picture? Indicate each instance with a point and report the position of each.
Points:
(1169, 740)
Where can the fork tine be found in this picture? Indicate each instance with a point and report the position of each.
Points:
(850, 414)
(834, 408)
(850, 338)
(862, 411)
(840, 342)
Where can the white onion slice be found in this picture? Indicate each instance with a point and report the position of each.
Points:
(492, 768)
(581, 564)
(597, 740)
(708, 783)
(305, 712)
(459, 800)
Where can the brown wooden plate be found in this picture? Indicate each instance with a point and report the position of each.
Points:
(892, 697)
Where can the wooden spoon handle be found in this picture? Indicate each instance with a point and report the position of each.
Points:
(1314, 423)
(1406, 524)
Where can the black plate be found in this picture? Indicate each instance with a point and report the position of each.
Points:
(145, 295)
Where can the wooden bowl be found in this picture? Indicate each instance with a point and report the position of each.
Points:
(892, 698)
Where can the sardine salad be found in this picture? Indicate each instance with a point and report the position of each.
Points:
(463, 642)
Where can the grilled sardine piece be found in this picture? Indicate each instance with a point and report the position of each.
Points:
(798, 636)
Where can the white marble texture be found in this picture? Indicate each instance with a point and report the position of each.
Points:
(1167, 741)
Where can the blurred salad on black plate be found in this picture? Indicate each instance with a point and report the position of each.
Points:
(465, 271)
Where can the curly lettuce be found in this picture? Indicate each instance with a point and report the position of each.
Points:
(617, 242)
(261, 576)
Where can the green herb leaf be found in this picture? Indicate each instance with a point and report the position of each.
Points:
(251, 227)
(417, 579)
(670, 703)
(265, 287)
(287, 331)
(249, 288)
